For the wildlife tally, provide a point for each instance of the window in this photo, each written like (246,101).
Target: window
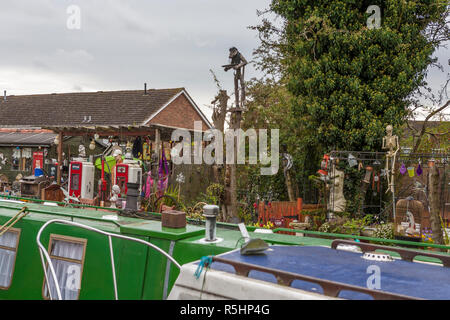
(21,159)
(67,256)
(9,242)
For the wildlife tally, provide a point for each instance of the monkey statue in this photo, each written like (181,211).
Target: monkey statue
(238,63)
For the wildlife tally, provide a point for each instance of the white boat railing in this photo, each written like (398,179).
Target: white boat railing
(43,253)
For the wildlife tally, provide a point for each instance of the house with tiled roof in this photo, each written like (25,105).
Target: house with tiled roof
(24,118)
(170,107)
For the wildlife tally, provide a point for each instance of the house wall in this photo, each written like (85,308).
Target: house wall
(180,113)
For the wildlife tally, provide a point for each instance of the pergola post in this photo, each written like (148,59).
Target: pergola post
(60,159)
(157,142)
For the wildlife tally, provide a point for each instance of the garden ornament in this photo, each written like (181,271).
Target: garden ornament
(81,151)
(180,178)
(368,174)
(337,202)
(352,160)
(238,63)
(419,170)
(403,169)
(390,142)
(324,165)
(287,161)
(115,191)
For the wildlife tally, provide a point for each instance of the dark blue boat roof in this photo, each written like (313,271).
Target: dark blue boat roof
(413,279)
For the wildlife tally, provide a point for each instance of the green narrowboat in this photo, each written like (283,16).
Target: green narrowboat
(92,257)
(141,272)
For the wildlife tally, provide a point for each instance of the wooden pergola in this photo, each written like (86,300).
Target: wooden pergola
(156,132)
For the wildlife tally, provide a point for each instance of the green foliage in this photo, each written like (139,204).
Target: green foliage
(214,194)
(318,218)
(436,137)
(269,107)
(245,215)
(344,225)
(174,192)
(446,239)
(330,82)
(355,226)
(350,81)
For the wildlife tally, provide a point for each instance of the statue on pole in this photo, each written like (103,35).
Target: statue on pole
(238,63)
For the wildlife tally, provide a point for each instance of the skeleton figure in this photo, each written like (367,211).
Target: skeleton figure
(238,63)
(390,142)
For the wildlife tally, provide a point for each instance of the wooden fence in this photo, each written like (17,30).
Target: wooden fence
(282,213)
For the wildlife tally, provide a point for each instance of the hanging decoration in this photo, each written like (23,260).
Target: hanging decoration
(146,150)
(419,170)
(375,183)
(148,185)
(324,165)
(403,169)
(411,171)
(352,160)
(92,145)
(137,147)
(163,176)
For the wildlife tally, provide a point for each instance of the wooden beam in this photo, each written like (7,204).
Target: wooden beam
(110,133)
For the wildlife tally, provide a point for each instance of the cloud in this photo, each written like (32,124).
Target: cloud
(122,44)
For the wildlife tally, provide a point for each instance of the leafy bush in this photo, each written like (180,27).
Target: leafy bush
(384,231)
(214,194)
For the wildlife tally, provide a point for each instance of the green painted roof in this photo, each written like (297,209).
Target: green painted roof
(96,218)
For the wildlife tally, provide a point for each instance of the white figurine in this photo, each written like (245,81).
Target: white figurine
(81,151)
(336,201)
(115,191)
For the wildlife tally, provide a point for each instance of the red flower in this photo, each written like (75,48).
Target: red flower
(254,205)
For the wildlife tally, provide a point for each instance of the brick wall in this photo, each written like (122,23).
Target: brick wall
(180,113)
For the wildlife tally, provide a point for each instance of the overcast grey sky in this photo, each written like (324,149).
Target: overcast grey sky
(122,44)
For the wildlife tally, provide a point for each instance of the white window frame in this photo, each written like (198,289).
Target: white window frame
(58,237)
(18,231)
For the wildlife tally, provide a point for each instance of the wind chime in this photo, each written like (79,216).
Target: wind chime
(376,177)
